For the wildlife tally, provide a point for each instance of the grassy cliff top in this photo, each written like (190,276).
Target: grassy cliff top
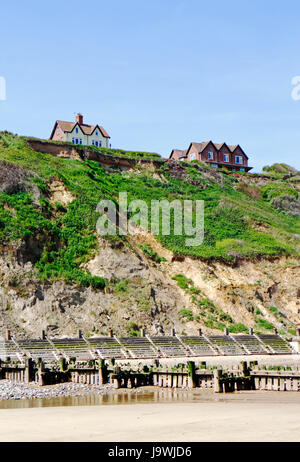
(107,151)
(242,219)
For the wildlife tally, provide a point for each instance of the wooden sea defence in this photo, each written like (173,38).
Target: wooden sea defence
(186,375)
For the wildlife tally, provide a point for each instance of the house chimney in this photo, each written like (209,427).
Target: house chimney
(79,118)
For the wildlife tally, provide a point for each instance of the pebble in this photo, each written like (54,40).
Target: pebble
(17,390)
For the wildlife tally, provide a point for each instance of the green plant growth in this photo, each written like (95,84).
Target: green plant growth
(147,249)
(185,314)
(65,237)
(133,329)
(265,324)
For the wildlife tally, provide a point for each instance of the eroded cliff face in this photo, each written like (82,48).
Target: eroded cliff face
(142,293)
(48,197)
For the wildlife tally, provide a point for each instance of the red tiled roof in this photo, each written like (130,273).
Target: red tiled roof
(179,152)
(86,129)
(201,146)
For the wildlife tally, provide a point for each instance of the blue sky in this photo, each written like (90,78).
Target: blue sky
(157,74)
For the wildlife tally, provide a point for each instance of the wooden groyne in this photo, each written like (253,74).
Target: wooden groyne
(187,375)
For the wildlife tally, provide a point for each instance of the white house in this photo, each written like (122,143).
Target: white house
(79,133)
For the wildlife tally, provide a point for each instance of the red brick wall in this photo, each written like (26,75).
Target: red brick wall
(61,136)
(239,152)
(204,154)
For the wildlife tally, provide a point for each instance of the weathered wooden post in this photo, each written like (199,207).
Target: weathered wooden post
(173,332)
(250,331)
(199,332)
(143,332)
(110,333)
(41,373)
(7,335)
(245,369)
(226,331)
(191,374)
(218,386)
(116,382)
(102,372)
(28,370)
(63,364)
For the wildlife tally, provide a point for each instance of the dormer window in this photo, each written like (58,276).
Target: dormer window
(238,159)
(226,158)
(76,130)
(193,156)
(210,155)
(96,133)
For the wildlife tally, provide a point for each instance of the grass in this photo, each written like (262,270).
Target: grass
(262,323)
(109,151)
(66,236)
(185,314)
(147,249)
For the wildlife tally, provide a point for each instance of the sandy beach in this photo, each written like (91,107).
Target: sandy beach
(245,416)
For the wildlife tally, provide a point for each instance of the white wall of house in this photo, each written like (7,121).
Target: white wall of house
(88,140)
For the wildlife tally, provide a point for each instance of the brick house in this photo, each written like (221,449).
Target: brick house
(217,155)
(79,133)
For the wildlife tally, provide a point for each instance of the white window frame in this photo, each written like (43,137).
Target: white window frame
(193,156)
(239,160)
(226,156)
(210,155)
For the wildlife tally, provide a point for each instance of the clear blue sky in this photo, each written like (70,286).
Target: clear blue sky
(157,74)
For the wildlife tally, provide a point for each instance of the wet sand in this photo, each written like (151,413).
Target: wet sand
(243,416)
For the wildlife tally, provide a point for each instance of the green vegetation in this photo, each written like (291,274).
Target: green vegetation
(272,190)
(238,328)
(279,169)
(133,329)
(62,238)
(182,281)
(108,151)
(121,286)
(185,314)
(147,249)
(262,323)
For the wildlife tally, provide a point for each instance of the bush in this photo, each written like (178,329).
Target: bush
(252,191)
(133,329)
(272,190)
(288,204)
(147,249)
(238,328)
(187,314)
(121,286)
(182,281)
(265,324)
